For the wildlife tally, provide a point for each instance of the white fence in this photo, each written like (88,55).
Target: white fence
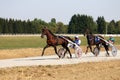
(22,35)
(13,35)
(114,35)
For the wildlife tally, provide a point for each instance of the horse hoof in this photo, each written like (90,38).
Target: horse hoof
(107,55)
(85,53)
(70,57)
(96,55)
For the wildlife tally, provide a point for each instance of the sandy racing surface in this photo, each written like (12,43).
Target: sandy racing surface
(54,60)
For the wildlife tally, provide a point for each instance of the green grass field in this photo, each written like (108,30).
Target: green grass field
(13,42)
(9,42)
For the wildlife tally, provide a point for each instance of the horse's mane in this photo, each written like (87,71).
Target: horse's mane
(60,36)
(51,33)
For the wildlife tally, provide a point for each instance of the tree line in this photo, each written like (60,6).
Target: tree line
(11,26)
(78,23)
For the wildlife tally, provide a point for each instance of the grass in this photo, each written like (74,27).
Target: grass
(16,42)
(21,42)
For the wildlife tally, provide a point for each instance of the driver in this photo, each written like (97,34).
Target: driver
(77,40)
(111,40)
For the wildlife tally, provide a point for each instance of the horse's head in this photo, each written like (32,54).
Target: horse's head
(86,32)
(44,32)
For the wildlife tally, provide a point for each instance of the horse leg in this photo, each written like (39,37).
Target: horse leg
(98,50)
(87,50)
(64,54)
(67,49)
(91,49)
(56,51)
(44,49)
(106,48)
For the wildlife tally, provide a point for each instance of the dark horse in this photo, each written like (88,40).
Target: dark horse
(53,40)
(91,42)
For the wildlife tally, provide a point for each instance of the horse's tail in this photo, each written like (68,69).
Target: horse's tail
(67,38)
(105,42)
(101,36)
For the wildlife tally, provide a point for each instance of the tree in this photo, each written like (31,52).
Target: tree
(5,26)
(117,27)
(1,25)
(111,27)
(53,20)
(61,28)
(79,23)
(52,26)
(101,25)
(10,26)
(72,24)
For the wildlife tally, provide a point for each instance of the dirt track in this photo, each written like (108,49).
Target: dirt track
(105,69)
(54,60)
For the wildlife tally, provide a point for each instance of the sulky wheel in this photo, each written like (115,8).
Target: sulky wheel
(78,52)
(61,52)
(96,51)
(114,51)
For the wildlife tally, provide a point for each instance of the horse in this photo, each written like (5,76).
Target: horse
(53,40)
(91,41)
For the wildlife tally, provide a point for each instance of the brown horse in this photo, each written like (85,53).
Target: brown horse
(53,40)
(91,40)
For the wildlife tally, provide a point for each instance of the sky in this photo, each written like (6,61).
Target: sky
(61,10)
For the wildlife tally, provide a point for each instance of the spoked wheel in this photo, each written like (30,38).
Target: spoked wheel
(96,51)
(61,52)
(114,51)
(78,52)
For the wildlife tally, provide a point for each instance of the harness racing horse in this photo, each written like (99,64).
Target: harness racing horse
(53,40)
(91,40)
